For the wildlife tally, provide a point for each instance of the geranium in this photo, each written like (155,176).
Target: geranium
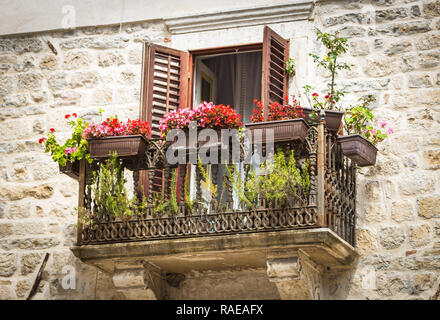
(360,120)
(114,127)
(206,115)
(74,148)
(277,111)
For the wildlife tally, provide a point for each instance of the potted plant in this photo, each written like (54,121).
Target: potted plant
(67,155)
(335,46)
(364,132)
(203,116)
(128,139)
(285,120)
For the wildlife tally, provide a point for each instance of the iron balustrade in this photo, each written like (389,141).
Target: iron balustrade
(330,202)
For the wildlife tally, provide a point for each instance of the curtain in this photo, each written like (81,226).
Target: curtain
(238,84)
(238,80)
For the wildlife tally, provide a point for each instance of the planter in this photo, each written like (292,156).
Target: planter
(71,169)
(283,130)
(359,149)
(333,119)
(126,146)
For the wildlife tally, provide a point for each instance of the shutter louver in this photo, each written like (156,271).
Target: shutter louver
(164,88)
(274,84)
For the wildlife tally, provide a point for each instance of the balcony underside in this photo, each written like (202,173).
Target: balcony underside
(219,252)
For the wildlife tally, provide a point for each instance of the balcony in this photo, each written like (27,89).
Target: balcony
(148,253)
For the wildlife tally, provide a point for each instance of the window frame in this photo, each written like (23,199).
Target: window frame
(193,54)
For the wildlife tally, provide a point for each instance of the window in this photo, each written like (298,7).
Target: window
(228,75)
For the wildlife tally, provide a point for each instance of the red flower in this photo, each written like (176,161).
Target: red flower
(74,114)
(314,94)
(327,96)
(67,116)
(52,130)
(41,140)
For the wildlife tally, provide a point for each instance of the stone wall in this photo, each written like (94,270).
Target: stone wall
(395,49)
(93,68)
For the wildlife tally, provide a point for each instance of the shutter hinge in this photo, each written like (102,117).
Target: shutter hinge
(189,75)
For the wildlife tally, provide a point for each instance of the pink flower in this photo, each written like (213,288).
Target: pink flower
(390,130)
(70,150)
(383,124)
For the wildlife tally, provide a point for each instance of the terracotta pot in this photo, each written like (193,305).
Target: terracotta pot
(333,119)
(359,149)
(126,146)
(71,169)
(284,130)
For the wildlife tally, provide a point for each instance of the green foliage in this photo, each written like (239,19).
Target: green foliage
(282,181)
(215,203)
(290,66)
(111,197)
(243,191)
(108,187)
(172,201)
(190,204)
(335,46)
(360,120)
(74,148)
(162,205)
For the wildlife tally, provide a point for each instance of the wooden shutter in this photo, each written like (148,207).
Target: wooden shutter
(164,88)
(274,83)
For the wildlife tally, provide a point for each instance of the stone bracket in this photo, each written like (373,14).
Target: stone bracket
(144,281)
(296,276)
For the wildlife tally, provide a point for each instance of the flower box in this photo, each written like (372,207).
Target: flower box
(133,146)
(71,169)
(193,146)
(283,130)
(333,119)
(359,149)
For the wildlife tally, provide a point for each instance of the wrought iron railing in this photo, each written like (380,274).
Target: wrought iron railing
(330,201)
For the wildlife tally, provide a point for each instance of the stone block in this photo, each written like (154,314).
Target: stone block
(8,264)
(391,14)
(366,241)
(419,81)
(419,235)
(108,59)
(48,62)
(416,184)
(428,42)
(26,45)
(392,237)
(402,211)
(432,159)
(432,9)
(398,47)
(29,262)
(22,288)
(76,60)
(429,59)
(429,207)
(30,243)
(392,284)
(5,229)
(29,81)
